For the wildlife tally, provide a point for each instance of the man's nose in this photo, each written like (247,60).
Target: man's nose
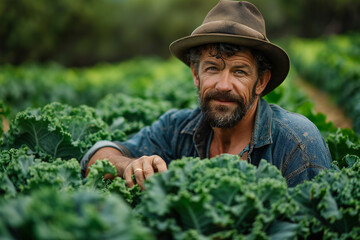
(224,82)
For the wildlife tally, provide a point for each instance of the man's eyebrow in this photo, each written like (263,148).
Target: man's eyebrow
(210,62)
(241,65)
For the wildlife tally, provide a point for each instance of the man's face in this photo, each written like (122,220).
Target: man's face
(226,87)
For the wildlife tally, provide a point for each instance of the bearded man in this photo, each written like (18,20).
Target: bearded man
(233,65)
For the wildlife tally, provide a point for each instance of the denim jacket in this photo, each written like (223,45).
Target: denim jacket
(287,140)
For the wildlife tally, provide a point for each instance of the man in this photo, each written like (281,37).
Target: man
(233,64)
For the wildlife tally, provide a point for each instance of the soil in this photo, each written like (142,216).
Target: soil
(324,104)
(5,124)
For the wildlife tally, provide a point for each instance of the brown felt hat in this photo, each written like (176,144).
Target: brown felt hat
(240,23)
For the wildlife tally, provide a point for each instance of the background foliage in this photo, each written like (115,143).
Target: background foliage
(85,32)
(332,64)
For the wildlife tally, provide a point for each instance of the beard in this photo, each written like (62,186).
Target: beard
(222,116)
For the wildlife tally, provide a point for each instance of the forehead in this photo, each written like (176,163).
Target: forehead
(244,55)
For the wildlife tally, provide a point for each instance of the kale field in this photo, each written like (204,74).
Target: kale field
(56,114)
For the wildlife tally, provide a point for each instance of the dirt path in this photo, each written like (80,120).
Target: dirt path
(324,104)
(5,124)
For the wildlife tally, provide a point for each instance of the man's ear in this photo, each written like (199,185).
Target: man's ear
(262,83)
(195,75)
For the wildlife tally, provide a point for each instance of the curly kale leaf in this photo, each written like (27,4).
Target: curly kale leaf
(57,131)
(61,174)
(22,172)
(343,144)
(129,114)
(130,195)
(48,213)
(95,180)
(222,197)
(329,205)
(15,164)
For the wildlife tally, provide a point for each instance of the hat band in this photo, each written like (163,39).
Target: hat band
(229,27)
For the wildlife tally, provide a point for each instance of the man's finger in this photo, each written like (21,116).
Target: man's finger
(148,169)
(139,176)
(159,164)
(128,172)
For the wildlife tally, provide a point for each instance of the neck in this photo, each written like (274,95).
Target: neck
(234,140)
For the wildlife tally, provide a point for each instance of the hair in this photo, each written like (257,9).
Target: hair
(225,50)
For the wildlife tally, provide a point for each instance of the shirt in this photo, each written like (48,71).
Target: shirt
(287,140)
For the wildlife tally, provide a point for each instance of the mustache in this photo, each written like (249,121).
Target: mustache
(222,96)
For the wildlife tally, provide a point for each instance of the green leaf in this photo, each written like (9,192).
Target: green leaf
(47,213)
(194,211)
(283,230)
(95,178)
(57,131)
(130,195)
(329,204)
(129,114)
(343,143)
(219,197)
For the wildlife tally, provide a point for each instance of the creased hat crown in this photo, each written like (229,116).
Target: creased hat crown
(239,18)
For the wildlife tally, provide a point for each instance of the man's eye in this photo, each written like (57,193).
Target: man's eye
(211,69)
(239,72)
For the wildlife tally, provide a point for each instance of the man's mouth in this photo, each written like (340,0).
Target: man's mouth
(223,101)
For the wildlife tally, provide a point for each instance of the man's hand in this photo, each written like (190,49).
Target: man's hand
(142,167)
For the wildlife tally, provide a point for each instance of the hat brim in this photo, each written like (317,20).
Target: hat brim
(277,56)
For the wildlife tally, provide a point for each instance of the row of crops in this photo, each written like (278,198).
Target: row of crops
(332,64)
(44,197)
(150,78)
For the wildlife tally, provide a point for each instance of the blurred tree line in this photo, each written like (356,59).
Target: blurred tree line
(84,32)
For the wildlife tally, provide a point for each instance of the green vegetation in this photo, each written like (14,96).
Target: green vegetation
(48,213)
(329,205)
(57,131)
(43,195)
(86,32)
(57,113)
(36,85)
(332,64)
(130,114)
(218,198)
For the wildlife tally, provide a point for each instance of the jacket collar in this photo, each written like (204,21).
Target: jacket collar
(262,126)
(191,127)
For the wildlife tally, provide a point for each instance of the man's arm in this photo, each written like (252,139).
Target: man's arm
(140,155)
(142,167)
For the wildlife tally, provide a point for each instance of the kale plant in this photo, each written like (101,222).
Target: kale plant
(344,146)
(95,180)
(330,204)
(219,198)
(21,171)
(129,114)
(58,131)
(48,213)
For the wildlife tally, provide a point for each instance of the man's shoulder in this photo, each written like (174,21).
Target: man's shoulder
(292,123)
(283,115)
